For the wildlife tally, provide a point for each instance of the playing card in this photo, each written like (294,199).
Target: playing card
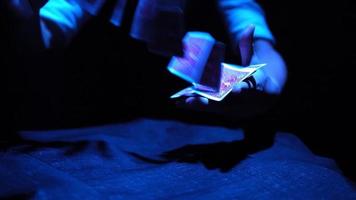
(231,75)
(211,77)
(197,48)
(202,65)
(254,67)
(185,92)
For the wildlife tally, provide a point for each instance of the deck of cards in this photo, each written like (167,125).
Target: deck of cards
(202,65)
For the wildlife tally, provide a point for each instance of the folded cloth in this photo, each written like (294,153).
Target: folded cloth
(100,162)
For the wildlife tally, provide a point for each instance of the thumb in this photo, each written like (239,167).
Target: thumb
(197,101)
(246,45)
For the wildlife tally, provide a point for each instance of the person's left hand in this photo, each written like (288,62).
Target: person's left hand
(268,80)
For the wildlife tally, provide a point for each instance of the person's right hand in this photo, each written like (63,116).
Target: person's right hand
(269,79)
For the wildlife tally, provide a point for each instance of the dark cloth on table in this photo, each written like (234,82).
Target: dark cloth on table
(121,161)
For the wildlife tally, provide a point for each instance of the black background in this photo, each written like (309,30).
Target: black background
(84,85)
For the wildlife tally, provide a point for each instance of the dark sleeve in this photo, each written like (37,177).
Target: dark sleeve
(21,23)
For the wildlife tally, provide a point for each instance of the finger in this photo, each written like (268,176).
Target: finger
(246,45)
(260,78)
(239,87)
(197,101)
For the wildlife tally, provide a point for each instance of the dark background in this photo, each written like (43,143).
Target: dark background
(105,76)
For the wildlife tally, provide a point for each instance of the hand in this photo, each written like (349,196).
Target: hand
(270,80)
